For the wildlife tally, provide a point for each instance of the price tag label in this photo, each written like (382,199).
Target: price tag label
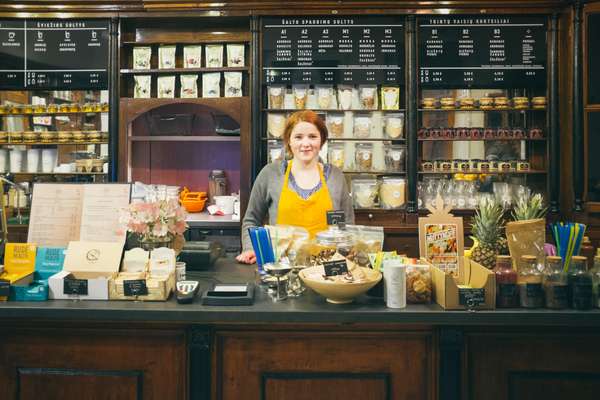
(75,286)
(470,297)
(135,287)
(336,218)
(4,287)
(333,268)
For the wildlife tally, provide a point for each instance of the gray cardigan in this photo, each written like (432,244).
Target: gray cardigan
(266,191)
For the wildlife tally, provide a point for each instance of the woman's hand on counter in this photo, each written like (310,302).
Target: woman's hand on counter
(246,257)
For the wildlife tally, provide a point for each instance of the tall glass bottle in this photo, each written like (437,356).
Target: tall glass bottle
(555,284)
(596,280)
(529,281)
(580,284)
(507,294)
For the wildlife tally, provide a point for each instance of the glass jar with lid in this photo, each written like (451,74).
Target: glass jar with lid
(595,271)
(331,241)
(529,280)
(555,284)
(580,284)
(364,192)
(507,294)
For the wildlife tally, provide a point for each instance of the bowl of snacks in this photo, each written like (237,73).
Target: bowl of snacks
(342,288)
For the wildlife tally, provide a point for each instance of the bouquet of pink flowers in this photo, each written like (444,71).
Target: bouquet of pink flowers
(160,221)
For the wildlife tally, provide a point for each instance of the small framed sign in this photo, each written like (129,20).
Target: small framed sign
(75,286)
(135,287)
(333,268)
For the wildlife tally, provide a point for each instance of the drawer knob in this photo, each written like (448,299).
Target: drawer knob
(370,217)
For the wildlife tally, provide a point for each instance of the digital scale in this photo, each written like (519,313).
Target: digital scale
(229,294)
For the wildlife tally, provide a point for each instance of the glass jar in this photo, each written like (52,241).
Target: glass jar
(394,157)
(507,294)
(555,284)
(364,157)
(362,126)
(595,272)
(391,192)
(364,192)
(394,126)
(334,240)
(531,293)
(336,154)
(580,284)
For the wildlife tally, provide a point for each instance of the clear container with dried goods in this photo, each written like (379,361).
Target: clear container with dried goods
(235,55)
(325,96)
(394,126)
(345,94)
(335,125)
(362,126)
(141,57)
(555,284)
(368,97)
(390,97)
(276,96)
(331,241)
(364,192)
(394,157)
(276,125)
(418,283)
(300,96)
(363,157)
(392,192)
(529,281)
(336,154)
(213,55)
(192,56)
(507,293)
(579,280)
(166,57)
(595,272)
(276,151)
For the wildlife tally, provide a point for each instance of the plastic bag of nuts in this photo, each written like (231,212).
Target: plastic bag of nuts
(418,283)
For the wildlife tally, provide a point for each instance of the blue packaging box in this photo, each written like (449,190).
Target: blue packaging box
(48,261)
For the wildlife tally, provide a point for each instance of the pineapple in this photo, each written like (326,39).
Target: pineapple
(529,207)
(488,233)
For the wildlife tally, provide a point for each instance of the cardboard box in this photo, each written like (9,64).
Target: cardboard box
(19,265)
(159,288)
(88,268)
(49,261)
(477,285)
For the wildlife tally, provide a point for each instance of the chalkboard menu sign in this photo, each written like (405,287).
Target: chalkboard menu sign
(593,53)
(54,54)
(328,50)
(482,51)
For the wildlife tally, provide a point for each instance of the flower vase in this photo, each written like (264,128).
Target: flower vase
(150,245)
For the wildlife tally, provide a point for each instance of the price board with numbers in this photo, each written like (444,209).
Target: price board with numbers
(482,52)
(54,54)
(333,50)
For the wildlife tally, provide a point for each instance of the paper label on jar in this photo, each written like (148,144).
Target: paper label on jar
(366,156)
(275,91)
(396,194)
(396,156)
(461,202)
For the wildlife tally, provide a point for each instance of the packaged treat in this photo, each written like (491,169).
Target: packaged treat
(166,57)
(142,86)
(394,157)
(362,126)
(141,57)
(418,284)
(192,56)
(235,55)
(364,192)
(345,97)
(276,125)
(364,157)
(520,103)
(447,103)
(276,151)
(486,103)
(368,96)
(428,102)
(276,94)
(189,86)
(233,84)
(166,87)
(335,125)
(214,55)
(300,95)
(324,97)
(392,192)
(336,154)
(466,103)
(390,98)
(211,84)
(394,126)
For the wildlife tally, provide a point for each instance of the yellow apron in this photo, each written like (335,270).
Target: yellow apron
(311,213)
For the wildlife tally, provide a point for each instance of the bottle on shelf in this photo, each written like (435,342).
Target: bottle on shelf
(531,294)
(580,284)
(507,294)
(595,272)
(555,284)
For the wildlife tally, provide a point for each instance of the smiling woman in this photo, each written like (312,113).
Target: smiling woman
(300,191)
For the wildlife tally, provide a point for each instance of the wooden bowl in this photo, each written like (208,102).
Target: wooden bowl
(338,292)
